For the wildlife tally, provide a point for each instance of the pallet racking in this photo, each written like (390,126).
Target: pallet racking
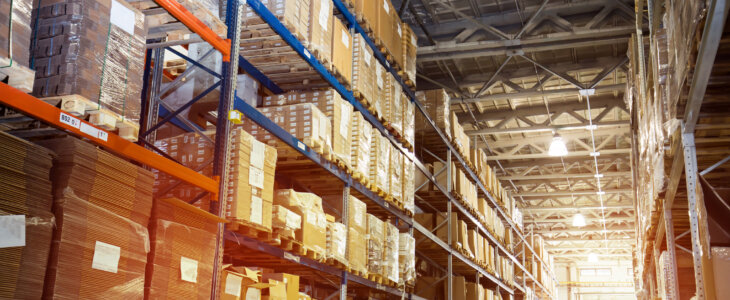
(153,109)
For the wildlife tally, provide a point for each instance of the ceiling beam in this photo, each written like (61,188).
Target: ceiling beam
(579,240)
(570,220)
(545,155)
(563,176)
(584,230)
(597,102)
(559,92)
(575,193)
(572,208)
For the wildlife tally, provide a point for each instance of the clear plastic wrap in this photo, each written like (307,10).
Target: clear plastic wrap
(407,259)
(437,105)
(457,134)
(320,29)
(380,161)
(409,121)
(342,51)
(721,268)
(395,174)
(181,262)
(362,133)
(390,252)
(94,49)
(337,110)
(313,234)
(95,253)
(336,241)
(357,250)
(409,188)
(375,237)
(285,220)
(23,268)
(304,121)
(410,49)
(380,91)
(363,70)
(102,178)
(293,13)
(357,214)
(15,45)
(393,102)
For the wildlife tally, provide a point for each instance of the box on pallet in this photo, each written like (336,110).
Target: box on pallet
(109,38)
(15,38)
(387,31)
(367,13)
(285,222)
(336,241)
(410,49)
(437,105)
(342,51)
(409,121)
(409,188)
(458,288)
(393,103)
(362,133)
(320,30)
(407,259)
(294,14)
(380,161)
(390,269)
(363,71)
(357,250)
(313,234)
(337,110)
(395,174)
(304,121)
(458,136)
(376,237)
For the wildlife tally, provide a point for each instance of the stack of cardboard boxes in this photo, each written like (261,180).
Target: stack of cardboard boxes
(342,51)
(362,136)
(336,241)
(304,121)
(376,238)
(238,283)
(313,234)
(15,41)
(391,248)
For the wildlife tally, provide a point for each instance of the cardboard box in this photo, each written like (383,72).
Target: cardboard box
(285,221)
(391,249)
(295,14)
(363,70)
(427,287)
(290,281)
(409,43)
(320,30)
(313,234)
(395,174)
(362,133)
(380,161)
(407,259)
(458,231)
(380,90)
(458,288)
(357,250)
(721,268)
(458,135)
(342,51)
(474,291)
(409,188)
(409,120)
(336,242)
(338,111)
(437,104)
(304,121)
(376,238)
(366,10)
(393,102)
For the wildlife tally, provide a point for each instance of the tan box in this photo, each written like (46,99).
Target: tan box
(304,121)
(363,70)
(342,51)
(409,121)
(285,221)
(395,174)
(320,30)
(409,43)
(393,102)
(458,231)
(313,234)
(338,111)
(437,105)
(428,287)
(380,90)
(409,188)
(336,240)
(458,135)
(367,12)
(360,143)
(357,250)
(474,291)
(458,288)
(390,269)
(407,259)
(294,14)
(380,161)
(473,243)
(290,281)
(388,30)
(376,237)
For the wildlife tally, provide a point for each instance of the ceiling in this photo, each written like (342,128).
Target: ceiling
(520,70)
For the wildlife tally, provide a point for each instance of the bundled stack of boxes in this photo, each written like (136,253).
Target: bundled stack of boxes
(313,234)
(15,40)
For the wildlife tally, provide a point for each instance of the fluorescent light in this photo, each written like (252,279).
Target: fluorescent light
(595,153)
(586,92)
(598,175)
(557,147)
(579,220)
(592,257)
(600,193)
(592,127)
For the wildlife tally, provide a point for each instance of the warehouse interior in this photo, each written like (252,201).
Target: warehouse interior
(364,149)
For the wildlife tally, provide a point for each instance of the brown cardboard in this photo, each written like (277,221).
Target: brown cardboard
(290,281)
(363,70)
(342,50)
(304,121)
(376,238)
(362,132)
(313,234)
(367,11)
(380,161)
(427,287)
(320,29)
(437,104)
(357,250)
(474,291)
(458,288)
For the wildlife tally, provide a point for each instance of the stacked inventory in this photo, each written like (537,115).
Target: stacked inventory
(183,243)
(313,234)
(390,269)
(336,241)
(362,136)
(103,205)
(304,121)
(26,220)
(15,38)
(342,52)
(363,72)
(375,242)
(107,38)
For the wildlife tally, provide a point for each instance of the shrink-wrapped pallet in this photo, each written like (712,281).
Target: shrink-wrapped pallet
(336,241)
(395,174)
(409,121)
(458,135)
(393,103)
(390,269)
(409,188)
(294,14)
(409,43)
(342,51)
(380,161)
(101,178)
(285,221)
(362,133)
(24,177)
(375,240)
(380,91)
(320,30)
(357,250)
(337,110)
(313,234)
(304,121)
(363,70)
(95,253)
(437,105)
(388,31)
(15,41)
(93,49)
(367,13)
(407,259)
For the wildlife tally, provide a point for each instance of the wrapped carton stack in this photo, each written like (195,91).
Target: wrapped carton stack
(437,105)
(336,241)
(395,175)
(183,242)
(376,238)
(380,162)
(313,234)
(285,222)
(407,259)
(304,121)
(357,232)
(363,71)
(338,111)
(410,49)
(320,30)
(362,135)
(342,52)
(390,269)
(109,36)
(24,203)
(15,40)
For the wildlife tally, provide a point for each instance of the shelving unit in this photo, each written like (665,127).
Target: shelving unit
(156,113)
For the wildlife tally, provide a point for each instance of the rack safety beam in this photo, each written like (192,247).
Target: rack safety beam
(380,57)
(253,244)
(55,117)
(180,13)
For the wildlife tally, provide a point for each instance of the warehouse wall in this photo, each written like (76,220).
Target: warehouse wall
(578,280)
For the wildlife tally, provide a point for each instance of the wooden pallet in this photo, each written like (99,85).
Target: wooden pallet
(161,24)
(17,76)
(312,254)
(176,66)
(250,230)
(337,264)
(377,278)
(360,273)
(90,111)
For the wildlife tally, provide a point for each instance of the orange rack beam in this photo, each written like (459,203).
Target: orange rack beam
(55,117)
(180,13)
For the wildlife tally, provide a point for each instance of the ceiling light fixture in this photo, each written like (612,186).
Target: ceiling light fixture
(594,154)
(600,193)
(592,257)
(598,175)
(557,147)
(579,220)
